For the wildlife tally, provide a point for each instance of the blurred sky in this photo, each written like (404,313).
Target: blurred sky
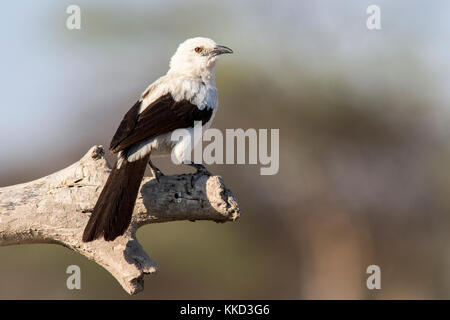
(49,73)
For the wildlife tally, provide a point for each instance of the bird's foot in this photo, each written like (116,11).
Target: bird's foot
(201,169)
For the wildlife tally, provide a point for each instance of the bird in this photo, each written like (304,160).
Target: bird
(186,94)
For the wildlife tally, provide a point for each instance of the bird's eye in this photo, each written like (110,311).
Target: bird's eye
(198,49)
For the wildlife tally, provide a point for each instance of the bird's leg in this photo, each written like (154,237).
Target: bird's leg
(200,168)
(155,171)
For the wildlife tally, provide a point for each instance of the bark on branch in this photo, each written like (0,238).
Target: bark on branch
(56,208)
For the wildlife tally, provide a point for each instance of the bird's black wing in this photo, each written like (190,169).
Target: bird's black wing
(162,116)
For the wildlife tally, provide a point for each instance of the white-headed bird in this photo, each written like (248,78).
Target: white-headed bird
(186,94)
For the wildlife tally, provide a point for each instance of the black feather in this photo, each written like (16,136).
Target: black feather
(114,208)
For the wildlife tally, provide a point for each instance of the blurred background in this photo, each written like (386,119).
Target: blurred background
(363,118)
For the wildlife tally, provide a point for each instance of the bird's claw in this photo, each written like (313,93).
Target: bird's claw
(155,171)
(201,170)
(157,174)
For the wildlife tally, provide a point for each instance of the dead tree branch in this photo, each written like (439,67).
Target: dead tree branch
(56,208)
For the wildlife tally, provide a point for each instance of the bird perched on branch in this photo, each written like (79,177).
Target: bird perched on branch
(187,93)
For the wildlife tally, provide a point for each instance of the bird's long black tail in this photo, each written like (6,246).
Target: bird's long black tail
(114,208)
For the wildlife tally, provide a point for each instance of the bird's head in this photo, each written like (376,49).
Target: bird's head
(196,57)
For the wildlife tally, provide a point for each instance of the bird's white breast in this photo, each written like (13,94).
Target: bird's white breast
(200,93)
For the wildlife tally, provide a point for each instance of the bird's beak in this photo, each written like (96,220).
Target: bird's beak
(218,50)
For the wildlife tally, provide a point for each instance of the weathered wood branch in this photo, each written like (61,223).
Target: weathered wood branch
(56,208)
